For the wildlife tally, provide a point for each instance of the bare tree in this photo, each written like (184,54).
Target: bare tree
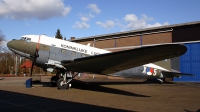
(2,38)
(6,62)
(2,54)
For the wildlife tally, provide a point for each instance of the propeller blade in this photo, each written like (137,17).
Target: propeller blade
(33,63)
(35,56)
(34,60)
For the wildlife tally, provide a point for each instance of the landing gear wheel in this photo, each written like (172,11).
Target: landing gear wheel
(54,80)
(61,84)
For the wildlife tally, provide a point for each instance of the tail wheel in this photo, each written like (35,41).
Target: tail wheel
(61,84)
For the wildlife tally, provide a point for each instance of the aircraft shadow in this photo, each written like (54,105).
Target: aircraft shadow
(12,101)
(97,86)
(120,82)
(191,111)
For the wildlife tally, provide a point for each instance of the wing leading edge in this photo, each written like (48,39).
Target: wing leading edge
(117,61)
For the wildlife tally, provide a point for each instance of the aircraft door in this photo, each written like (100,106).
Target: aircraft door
(52,53)
(52,56)
(43,58)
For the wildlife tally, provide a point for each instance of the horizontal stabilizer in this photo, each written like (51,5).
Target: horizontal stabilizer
(174,74)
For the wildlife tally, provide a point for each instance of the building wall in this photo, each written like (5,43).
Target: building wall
(128,41)
(86,42)
(132,40)
(190,63)
(157,38)
(105,43)
(186,33)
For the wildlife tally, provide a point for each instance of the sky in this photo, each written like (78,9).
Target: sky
(84,18)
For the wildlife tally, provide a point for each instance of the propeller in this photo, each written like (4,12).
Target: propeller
(35,56)
(34,60)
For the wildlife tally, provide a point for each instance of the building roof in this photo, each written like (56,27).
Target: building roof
(166,28)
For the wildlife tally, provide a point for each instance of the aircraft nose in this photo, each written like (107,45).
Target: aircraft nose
(22,47)
(16,45)
(10,44)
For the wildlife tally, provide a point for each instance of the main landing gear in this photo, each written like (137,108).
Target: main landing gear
(63,80)
(159,80)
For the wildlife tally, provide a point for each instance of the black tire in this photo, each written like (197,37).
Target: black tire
(60,86)
(54,79)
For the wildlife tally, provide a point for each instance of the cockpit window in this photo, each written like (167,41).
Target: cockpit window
(28,40)
(22,38)
(25,38)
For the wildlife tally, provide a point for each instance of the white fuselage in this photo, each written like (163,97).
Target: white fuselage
(72,46)
(63,44)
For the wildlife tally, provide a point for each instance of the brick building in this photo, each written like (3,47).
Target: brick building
(186,33)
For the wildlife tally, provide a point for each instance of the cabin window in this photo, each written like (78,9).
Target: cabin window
(63,50)
(73,53)
(83,55)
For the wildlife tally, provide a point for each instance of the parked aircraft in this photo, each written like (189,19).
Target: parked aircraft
(71,58)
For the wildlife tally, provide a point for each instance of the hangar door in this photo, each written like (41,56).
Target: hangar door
(190,63)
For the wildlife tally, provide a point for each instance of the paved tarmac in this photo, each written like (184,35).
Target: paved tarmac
(99,95)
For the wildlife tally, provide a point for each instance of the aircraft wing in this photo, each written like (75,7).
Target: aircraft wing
(117,61)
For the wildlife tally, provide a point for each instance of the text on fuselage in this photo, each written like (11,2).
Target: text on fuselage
(78,49)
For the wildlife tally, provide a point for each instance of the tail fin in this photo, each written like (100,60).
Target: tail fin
(175,64)
(173,67)
(166,64)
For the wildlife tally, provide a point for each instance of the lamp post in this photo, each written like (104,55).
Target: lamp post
(11,71)
(16,65)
